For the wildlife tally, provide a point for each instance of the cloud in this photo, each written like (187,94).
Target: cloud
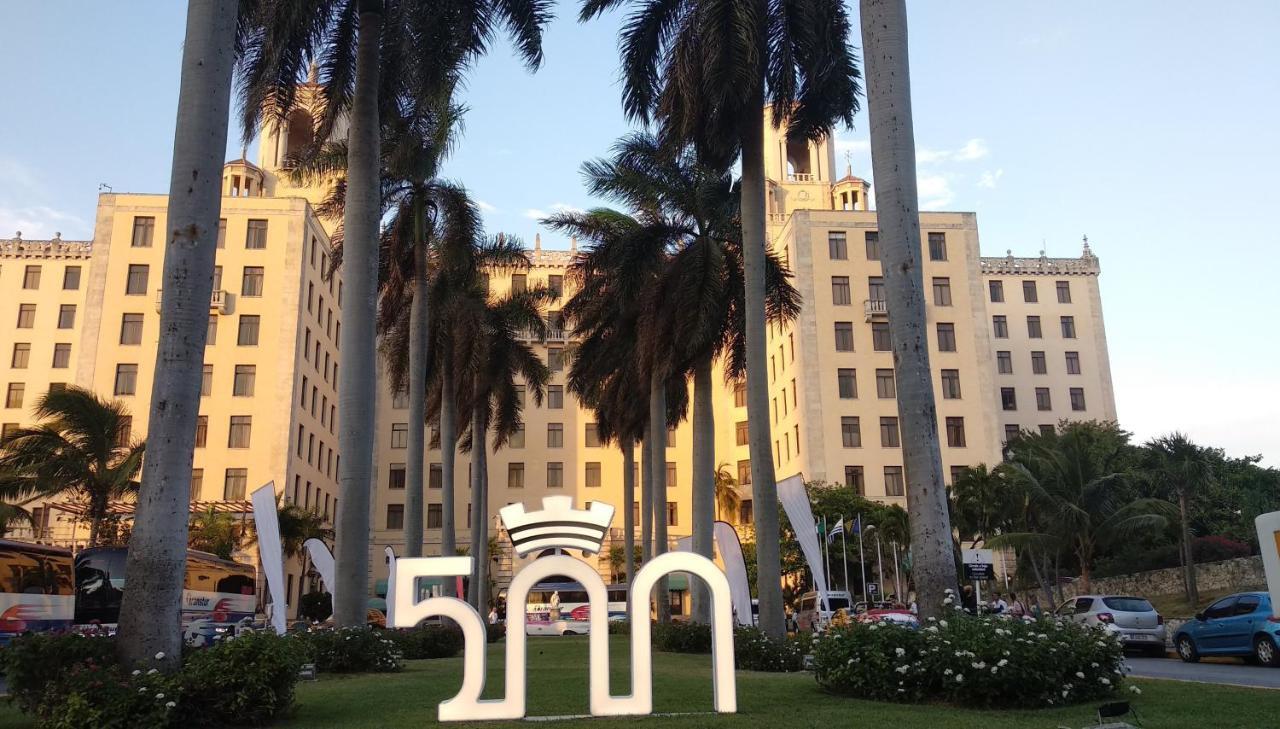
(857,146)
(40,222)
(971,150)
(538,214)
(934,191)
(990,178)
(485,207)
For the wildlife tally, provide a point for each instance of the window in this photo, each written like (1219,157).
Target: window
(31,277)
(242,386)
(211,332)
(555,359)
(516,439)
(202,430)
(941,291)
(61,356)
(937,246)
(1073,363)
(555,475)
(889,432)
(955,433)
(741,432)
(251,285)
(844,336)
(136,283)
(875,288)
(739,394)
(1029,293)
(435,516)
(1046,429)
(520,395)
(256,235)
(851,431)
(591,435)
(238,436)
(396,477)
(555,435)
(996,288)
(1064,292)
(840,291)
(235,483)
(1004,362)
(400,399)
(144,229)
(26,316)
(71,278)
(1043,401)
(853,479)
(399,435)
(206,381)
(21,355)
(556,284)
(951,384)
(222,233)
(592,476)
(1068,327)
(846,377)
(519,282)
(884,384)
(248,334)
(126,379)
(957,473)
(1000,324)
(893,485)
(1038,366)
(673,514)
(1077,398)
(67,316)
(1011,433)
(744,473)
(435,478)
(13,399)
(1008,398)
(946,337)
(395,516)
(881,339)
(197,484)
(671,475)
(555,397)
(515,475)
(1033,327)
(837,245)
(872,239)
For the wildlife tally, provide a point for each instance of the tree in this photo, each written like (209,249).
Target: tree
(1186,469)
(727,498)
(82,449)
(983,503)
(13,515)
(704,70)
(219,533)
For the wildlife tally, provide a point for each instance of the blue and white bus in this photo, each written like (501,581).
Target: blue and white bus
(36,589)
(561,608)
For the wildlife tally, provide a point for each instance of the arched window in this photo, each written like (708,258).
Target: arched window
(301,132)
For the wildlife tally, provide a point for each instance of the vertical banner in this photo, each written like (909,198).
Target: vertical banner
(322,560)
(795,500)
(270,551)
(391,586)
(684,544)
(735,568)
(1268,526)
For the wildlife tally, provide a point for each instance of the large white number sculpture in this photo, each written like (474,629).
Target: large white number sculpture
(1268,526)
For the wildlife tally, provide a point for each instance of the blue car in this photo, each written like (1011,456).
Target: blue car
(1237,625)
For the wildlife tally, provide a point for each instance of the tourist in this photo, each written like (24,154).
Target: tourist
(969,601)
(1016,608)
(998,605)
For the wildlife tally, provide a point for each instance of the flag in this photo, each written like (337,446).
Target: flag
(856,526)
(836,530)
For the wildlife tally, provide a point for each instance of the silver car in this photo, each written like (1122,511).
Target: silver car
(1133,619)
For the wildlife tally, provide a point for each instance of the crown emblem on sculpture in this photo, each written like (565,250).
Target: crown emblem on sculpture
(558,524)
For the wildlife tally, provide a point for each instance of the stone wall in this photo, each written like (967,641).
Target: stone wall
(1228,575)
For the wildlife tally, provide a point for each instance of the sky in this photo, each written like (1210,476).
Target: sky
(1148,125)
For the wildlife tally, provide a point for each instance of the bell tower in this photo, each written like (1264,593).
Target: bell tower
(799,173)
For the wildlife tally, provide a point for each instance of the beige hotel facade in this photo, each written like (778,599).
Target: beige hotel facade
(1016,343)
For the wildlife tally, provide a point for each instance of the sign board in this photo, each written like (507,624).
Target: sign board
(979,564)
(873,588)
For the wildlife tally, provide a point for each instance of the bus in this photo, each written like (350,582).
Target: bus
(36,589)
(574,610)
(218,595)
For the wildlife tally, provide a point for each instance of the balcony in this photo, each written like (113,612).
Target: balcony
(800,177)
(777,218)
(553,335)
(876,309)
(217,302)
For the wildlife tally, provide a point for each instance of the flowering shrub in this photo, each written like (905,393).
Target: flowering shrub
(111,698)
(352,650)
(33,662)
(244,681)
(973,661)
(427,641)
(682,637)
(753,650)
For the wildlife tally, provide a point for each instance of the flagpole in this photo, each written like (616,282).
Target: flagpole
(879,564)
(862,560)
(897,576)
(826,559)
(844,557)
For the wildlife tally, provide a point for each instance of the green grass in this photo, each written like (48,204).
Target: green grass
(558,687)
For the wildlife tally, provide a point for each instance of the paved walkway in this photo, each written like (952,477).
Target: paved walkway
(1229,672)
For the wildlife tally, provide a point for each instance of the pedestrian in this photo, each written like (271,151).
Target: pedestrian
(1034,602)
(493,615)
(969,601)
(998,605)
(1016,608)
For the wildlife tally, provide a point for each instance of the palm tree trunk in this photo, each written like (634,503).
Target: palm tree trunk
(658,453)
(646,496)
(477,592)
(418,354)
(893,156)
(704,483)
(628,511)
(764,487)
(1188,559)
(356,426)
(448,456)
(150,613)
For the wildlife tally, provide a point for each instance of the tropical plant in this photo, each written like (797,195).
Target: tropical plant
(81,448)
(13,515)
(704,71)
(219,533)
(984,502)
(727,498)
(1185,469)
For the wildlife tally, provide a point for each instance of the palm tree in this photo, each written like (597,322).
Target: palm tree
(1186,468)
(82,448)
(157,549)
(297,525)
(982,502)
(13,515)
(218,533)
(727,499)
(704,71)
(884,36)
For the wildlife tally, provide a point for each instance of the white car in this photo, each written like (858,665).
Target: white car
(1132,619)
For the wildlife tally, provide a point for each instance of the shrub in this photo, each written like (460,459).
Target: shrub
(428,641)
(34,662)
(753,650)
(352,650)
(973,661)
(316,606)
(111,698)
(682,637)
(494,633)
(1216,549)
(619,627)
(247,680)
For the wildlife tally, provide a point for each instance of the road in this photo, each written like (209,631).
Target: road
(1226,673)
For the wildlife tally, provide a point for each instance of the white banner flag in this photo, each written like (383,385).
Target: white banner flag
(322,560)
(795,500)
(735,568)
(391,585)
(271,551)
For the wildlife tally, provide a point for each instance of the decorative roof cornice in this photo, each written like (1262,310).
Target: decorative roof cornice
(56,247)
(1085,265)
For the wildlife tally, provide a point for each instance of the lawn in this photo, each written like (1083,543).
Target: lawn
(558,687)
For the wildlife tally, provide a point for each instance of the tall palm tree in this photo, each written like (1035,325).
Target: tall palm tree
(82,448)
(13,515)
(157,549)
(983,503)
(727,499)
(1186,468)
(704,70)
(893,157)
(374,54)
(219,533)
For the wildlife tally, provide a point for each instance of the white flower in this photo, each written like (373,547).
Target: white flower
(994,669)
(152,671)
(943,623)
(959,678)
(902,669)
(142,690)
(947,601)
(1104,681)
(159,696)
(1135,689)
(1003,662)
(137,672)
(979,665)
(1094,664)
(931,629)
(1079,674)
(1064,693)
(900,651)
(169,705)
(948,672)
(160,656)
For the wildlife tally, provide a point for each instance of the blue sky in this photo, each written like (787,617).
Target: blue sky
(1150,126)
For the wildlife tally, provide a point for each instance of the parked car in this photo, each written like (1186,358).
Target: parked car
(812,615)
(894,615)
(1133,619)
(1237,625)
